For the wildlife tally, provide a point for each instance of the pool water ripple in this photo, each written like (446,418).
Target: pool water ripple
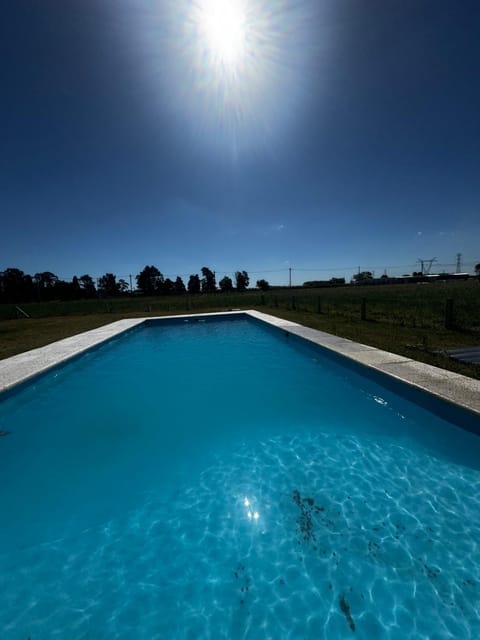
(319,536)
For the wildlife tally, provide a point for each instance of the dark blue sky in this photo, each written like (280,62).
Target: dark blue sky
(350,136)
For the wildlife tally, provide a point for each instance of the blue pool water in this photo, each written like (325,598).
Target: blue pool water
(222,480)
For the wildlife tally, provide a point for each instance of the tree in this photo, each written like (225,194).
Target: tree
(179,287)
(150,281)
(168,287)
(193,284)
(108,285)
(75,286)
(477,270)
(208,281)
(15,286)
(242,280)
(28,289)
(226,284)
(364,277)
(123,286)
(62,290)
(87,286)
(45,283)
(263,285)
(45,280)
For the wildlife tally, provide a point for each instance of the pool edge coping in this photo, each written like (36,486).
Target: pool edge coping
(454,388)
(451,387)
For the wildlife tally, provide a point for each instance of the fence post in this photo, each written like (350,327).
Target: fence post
(449,314)
(363,309)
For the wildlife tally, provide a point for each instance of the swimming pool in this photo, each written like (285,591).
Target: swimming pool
(222,479)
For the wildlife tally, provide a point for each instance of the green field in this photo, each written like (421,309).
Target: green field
(409,319)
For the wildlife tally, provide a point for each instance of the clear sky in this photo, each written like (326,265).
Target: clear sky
(317,134)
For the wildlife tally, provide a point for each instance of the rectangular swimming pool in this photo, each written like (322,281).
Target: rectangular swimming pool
(218,478)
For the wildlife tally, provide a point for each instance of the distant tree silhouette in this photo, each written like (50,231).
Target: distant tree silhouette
(87,286)
(108,285)
(168,287)
(72,289)
(123,286)
(208,281)
(364,277)
(263,285)
(28,288)
(477,270)
(62,290)
(242,280)
(150,281)
(193,285)
(226,284)
(76,291)
(179,287)
(45,280)
(45,283)
(16,286)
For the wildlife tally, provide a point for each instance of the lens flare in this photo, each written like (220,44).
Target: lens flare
(234,73)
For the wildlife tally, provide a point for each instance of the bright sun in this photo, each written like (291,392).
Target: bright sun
(234,70)
(222,24)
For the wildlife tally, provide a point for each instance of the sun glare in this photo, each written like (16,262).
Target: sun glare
(234,71)
(222,24)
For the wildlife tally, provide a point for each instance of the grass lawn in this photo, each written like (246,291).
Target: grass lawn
(405,319)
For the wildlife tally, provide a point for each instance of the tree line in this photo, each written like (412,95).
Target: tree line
(17,286)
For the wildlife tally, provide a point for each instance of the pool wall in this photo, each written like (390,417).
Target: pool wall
(451,395)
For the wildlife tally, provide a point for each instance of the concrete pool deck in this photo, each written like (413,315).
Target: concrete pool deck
(451,387)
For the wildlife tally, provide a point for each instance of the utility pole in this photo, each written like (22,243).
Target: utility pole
(289,277)
(131,289)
